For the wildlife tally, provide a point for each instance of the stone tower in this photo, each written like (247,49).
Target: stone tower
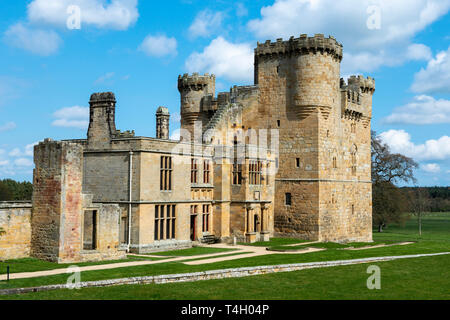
(162,123)
(323,188)
(194,90)
(101,120)
(57,201)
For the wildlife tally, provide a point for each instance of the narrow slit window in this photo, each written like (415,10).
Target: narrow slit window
(288,199)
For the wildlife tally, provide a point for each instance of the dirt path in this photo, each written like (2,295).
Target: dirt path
(379,246)
(34,274)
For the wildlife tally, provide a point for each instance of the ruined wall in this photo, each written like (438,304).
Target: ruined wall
(57,201)
(107,242)
(15,219)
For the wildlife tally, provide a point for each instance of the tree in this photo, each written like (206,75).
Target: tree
(419,203)
(5,192)
(2,231)
(11,190)
(388,202)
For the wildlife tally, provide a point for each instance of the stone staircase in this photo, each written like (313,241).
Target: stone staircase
(209,239)
(217,117)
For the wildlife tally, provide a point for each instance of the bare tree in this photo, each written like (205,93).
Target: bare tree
(388,202)
(419,203)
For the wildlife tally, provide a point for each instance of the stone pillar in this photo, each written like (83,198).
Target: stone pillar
(250,235)
(162,123)
(264,234)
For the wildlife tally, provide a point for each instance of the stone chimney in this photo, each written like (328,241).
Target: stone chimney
(102,125)
(162,123)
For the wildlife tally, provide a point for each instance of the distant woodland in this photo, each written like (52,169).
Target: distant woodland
(437,199)
(11,190)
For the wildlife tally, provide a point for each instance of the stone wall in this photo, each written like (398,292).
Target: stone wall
(15,219)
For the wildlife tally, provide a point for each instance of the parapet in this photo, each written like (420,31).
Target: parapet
(195,81)
(303,44)
(125,134)
(359,82)
(102,97)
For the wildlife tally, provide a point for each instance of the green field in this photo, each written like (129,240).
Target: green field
(430,274)
(420,278)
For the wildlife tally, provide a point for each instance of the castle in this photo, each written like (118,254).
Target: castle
(289,156)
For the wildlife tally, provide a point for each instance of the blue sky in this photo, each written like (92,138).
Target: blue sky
(137,49)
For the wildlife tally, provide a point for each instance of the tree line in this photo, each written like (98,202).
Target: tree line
(11,190)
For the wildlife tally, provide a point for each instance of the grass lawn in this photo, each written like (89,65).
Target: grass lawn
(419,278)
(32,264)
(435,238)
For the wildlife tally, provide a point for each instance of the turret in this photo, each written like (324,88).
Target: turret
(162,123)
(193,89)
(311,67)
(356,97)
(102,125)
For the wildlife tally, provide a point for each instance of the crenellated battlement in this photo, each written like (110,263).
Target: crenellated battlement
(359,82)
(303,44)
(124,134)
(196,81)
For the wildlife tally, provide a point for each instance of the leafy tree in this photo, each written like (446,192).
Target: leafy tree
(388,202)
(2,231)
(5,192)
(11,190)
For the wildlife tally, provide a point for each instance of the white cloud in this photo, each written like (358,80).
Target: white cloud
(114,14)
(347,21)
(29,149)
(400,142)
(422,110)
(175,117)
(224,59)
(15,153)
(37,41)
(8,126)
(175,135)
(431,167)
(418,52)
(27,152)
(206,23)
(435,78)
(23,162)
(159,46)
(241,10)
(72,117)
(104,77)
